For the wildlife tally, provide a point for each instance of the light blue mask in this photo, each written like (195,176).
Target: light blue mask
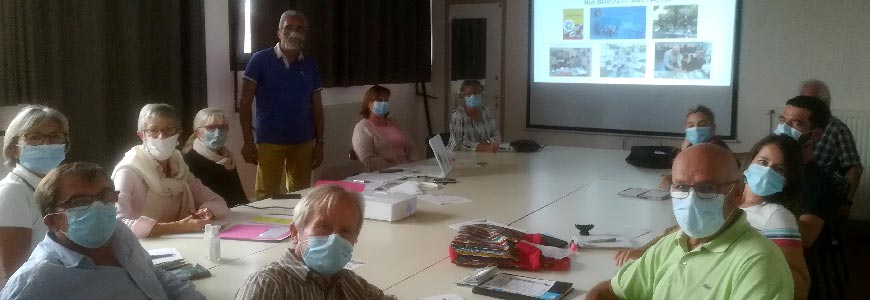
(91,226)
(327,255)
(381,108)
(699,218)
(699,135)
(42,158)
(763,181)
(215,139)
(783,128)
(473,101)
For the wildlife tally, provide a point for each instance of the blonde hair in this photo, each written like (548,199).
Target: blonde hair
(322,198)
(204,116)
(26,121)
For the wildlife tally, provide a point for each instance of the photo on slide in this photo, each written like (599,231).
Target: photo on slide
(572,24)
(618,23)
(675,21)
(623,60)
(683,60)
(569,62)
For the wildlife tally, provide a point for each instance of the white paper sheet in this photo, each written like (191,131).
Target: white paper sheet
(550,251)
(443,199)
(407,187)
(353,264)
(172,252)
(444,297)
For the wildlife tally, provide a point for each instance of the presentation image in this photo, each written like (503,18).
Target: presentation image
(572,24)
(675,21)
(683,60)
(619,22)
(569,62)
(623,60)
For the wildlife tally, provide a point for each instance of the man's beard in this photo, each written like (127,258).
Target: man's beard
(293,42)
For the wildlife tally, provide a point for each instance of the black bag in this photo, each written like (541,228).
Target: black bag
(652,157)
(526,146)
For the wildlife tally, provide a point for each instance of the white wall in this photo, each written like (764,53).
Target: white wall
(341,105)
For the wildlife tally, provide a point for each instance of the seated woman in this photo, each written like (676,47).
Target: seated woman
(36,142)
(701,128)
(377,141)
(770,200)
(157,192)
(472,126)
(209,160)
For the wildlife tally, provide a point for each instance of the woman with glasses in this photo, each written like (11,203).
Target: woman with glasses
(157,193)
(36,142)
(771,199)
(209,160)
(377,140)
(472,127)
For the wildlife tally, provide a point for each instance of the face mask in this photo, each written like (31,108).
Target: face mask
(42,158)
(763,181)
(699,135)
(327,255)
(783,128)
(215,139)
(473,101)
(381,108)
(91,226)
(699,218)
(161,149)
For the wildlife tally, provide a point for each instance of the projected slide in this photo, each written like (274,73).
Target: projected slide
(641,42)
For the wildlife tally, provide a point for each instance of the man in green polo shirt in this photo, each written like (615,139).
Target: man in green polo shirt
(715,254)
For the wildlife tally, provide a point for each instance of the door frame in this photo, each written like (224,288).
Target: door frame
(447,42)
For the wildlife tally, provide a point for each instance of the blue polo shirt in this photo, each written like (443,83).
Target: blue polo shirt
(283,97)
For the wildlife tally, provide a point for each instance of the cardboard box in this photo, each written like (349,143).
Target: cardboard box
(389,207)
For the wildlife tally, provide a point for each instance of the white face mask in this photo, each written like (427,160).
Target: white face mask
(161,149)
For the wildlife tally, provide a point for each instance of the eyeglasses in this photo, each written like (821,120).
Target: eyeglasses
(84,201)
(34,139)
(703,190)
(165,132)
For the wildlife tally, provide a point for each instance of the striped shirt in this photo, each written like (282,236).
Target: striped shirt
(289,278)
(466,133)
(775,223)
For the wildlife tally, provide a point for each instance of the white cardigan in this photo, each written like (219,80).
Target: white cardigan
(373,150)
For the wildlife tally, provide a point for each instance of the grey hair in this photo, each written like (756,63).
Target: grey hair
(824,93)
(203,116)
(320,199)
(292,13)
(25,122)
(150,111)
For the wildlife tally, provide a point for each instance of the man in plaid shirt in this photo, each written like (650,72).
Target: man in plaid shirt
(836,151)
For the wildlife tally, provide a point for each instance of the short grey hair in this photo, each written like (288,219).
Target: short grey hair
(320,199)
(26,121)
(824,92)
(203,116)
(292,13)
(153,110)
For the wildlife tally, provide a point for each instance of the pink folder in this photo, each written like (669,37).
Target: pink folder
(253,232)
(356,187)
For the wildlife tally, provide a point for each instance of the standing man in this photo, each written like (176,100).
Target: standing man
(289,120)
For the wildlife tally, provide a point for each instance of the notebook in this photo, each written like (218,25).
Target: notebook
(516,287)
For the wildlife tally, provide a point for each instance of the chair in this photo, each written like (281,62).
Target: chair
(445,136)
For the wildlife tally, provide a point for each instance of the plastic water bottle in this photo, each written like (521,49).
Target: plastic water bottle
(214,242)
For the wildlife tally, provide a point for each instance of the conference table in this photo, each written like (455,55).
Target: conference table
(543,192)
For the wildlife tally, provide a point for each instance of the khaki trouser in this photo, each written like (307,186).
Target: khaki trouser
(292,161)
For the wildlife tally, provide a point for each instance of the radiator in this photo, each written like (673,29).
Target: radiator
(859,124)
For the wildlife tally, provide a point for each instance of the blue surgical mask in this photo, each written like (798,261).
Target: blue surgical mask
(473,101)
(42,158)
(783,128)
(214,139)
(699,135)
(91,226)
(327,255)
(763,181)
(381,108)
(697,217)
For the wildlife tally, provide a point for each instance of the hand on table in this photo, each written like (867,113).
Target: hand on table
(624,255)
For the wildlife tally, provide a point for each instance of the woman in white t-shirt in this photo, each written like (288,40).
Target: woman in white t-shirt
(36,142)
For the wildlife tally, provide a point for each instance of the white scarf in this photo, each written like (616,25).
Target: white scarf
(160,188)
(225,160)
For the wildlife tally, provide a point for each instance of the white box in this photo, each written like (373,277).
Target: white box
(389,207)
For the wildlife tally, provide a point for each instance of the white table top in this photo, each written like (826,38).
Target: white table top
(545,192)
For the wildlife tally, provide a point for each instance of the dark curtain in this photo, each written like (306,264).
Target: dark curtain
(354,42)
(468,49)
(99,62)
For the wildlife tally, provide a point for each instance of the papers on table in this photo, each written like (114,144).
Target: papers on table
(443,199)
(550,251)
(164,255)
(444,297)
(407,187)
(478,276)
(353,264)
(519,285)
(621,237)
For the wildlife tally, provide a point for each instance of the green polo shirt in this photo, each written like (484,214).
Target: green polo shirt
(740,263)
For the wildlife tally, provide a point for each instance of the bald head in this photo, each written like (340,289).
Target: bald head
(705,163)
